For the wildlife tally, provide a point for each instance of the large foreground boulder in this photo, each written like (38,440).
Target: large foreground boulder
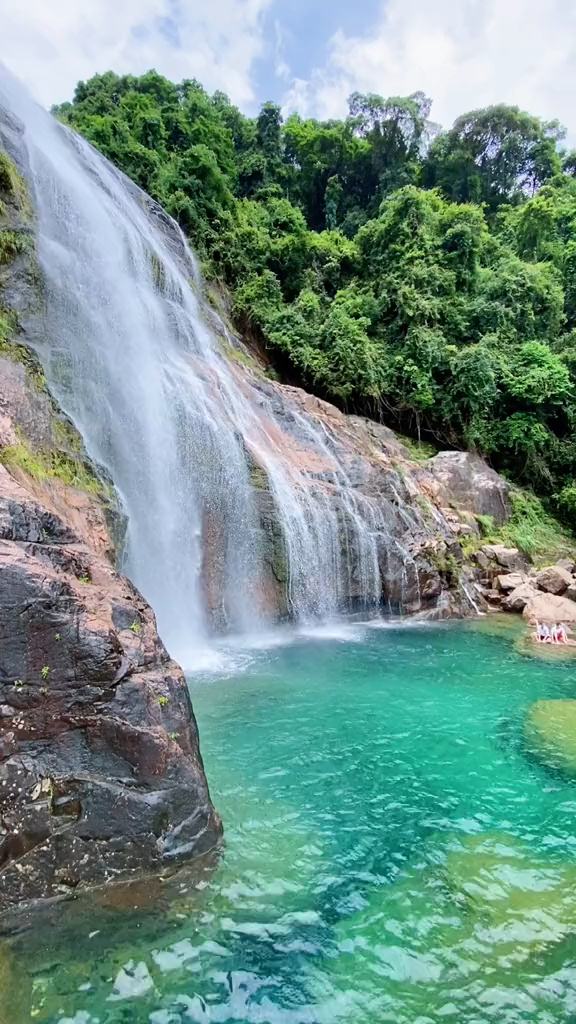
(550,608)
(100,769)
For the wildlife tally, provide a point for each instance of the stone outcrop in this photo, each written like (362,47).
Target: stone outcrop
(466,482)
(518,598)
(508,558)
(363,465)
(509,581)
(554,579)
(100,771)
(542,607)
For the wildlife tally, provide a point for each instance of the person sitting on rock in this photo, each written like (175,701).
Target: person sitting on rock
(543,633)
(553,632)
(561,634)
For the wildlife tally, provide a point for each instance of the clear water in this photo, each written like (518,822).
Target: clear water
(392,853)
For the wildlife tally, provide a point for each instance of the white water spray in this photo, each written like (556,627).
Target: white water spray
(131,354)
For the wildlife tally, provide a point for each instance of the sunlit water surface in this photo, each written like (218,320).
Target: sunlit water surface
(392,852)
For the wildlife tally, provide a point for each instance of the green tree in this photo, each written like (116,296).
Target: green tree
(495,155)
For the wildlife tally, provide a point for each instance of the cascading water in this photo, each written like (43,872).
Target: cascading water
(132,355)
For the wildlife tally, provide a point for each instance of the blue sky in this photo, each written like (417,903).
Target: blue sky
(298,33)
(308,54)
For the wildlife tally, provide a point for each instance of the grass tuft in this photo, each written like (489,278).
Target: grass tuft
(51,466)
(530,528)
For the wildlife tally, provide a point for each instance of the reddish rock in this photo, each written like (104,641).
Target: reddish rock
(466,481)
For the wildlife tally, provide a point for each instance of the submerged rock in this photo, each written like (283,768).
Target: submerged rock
(550,733)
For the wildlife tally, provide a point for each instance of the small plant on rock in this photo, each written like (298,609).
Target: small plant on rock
(136,627)
(163,701)
(45,671)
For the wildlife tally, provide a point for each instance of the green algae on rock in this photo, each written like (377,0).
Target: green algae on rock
(550,733)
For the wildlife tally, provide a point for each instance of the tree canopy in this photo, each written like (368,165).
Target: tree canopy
(421,276)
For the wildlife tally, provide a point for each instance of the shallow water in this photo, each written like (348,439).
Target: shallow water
(393,854)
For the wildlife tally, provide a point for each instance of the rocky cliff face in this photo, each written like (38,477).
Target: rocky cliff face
(100,770)
(420,511)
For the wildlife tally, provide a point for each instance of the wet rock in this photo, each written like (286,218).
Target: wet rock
(554,579)
(100,771)
(517,600)
(550,733)
(550,608)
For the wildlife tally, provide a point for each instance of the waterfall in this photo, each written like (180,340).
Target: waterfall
(134,356)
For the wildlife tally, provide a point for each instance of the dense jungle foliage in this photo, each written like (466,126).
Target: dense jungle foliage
(424,277)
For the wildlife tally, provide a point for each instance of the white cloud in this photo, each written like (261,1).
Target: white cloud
(462,53)
(51,45)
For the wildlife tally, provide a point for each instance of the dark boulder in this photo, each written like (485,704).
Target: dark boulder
(100,771)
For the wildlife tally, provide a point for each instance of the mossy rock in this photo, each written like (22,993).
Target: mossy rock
(13,189)
(15,989)
(500,878)
(550,734)
(56,465)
